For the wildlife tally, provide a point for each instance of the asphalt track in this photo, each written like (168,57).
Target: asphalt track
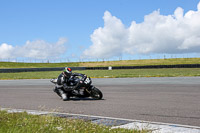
(168,100)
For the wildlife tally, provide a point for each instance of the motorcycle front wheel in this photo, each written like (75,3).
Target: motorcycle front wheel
(96,93)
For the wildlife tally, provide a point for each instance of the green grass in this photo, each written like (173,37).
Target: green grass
(104,63)
(142,62)
(26,123)
(175,72)
(30,75)
(35,65)
(167,72)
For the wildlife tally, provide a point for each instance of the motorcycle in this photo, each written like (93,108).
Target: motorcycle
(83,88)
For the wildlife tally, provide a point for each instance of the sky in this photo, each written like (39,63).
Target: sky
(84,30)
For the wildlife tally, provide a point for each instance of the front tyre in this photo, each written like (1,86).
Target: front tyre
(96,93)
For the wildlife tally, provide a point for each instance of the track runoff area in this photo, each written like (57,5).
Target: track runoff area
(155,127)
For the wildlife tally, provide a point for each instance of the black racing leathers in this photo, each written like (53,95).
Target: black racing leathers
(66,84)
(63,82)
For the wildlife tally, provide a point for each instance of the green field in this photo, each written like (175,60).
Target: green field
(143,62)
(105,63)
(35,65)
(165,72)
(26,123)
(170,72)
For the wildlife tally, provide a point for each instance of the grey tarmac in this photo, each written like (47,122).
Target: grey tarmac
(168,100)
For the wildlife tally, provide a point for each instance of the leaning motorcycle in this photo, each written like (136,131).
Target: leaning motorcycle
(83,89)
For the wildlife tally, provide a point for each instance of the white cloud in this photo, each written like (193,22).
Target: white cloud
(6,51)
(176,33)
(108,39)
(38,49)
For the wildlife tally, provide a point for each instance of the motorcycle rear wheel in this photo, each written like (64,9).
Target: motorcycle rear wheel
(96,93)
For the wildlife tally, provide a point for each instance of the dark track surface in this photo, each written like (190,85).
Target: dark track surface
(169,100)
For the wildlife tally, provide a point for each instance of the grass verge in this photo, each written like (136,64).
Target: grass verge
(35,65)
(166,72)
(104,63)
(26,123)
(175,61)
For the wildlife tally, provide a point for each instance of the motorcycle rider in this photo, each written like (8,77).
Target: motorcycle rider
(62,83)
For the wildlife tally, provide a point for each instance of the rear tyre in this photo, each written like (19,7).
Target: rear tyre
(96,93)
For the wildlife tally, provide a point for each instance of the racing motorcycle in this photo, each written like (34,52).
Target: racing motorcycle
(83,88)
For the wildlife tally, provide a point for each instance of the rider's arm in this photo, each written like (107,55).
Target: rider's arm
(79,74)
(61,79)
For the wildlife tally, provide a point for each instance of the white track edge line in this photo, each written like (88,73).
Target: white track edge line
(103,117)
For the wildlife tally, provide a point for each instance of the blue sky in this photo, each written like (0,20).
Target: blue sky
(64,29)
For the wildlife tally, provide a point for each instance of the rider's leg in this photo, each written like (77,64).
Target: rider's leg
(56,90)
(60,93)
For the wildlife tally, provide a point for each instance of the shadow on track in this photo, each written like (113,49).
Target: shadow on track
(83,99)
